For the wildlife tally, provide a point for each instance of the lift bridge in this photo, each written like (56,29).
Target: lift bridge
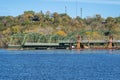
(38,41)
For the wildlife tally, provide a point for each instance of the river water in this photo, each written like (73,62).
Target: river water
(60,65)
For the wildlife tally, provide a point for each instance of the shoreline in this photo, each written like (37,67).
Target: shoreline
(65,49)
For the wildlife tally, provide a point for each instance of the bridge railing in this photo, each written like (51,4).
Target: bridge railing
(42,44)
(67,41)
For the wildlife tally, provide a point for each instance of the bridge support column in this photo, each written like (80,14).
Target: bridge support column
(110,42)
(78,42)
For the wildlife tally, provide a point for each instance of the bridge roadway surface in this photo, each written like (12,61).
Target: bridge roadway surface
(63,42)
(83,41)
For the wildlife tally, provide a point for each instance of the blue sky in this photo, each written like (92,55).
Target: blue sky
(105,8)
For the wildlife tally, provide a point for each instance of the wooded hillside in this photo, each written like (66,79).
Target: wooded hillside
(60,24)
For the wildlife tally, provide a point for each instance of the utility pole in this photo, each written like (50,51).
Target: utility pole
(65,9)
(76,7)
(81,12)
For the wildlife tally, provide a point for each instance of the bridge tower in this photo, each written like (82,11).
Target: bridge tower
(78,42)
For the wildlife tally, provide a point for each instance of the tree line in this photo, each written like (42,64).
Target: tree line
(48,23)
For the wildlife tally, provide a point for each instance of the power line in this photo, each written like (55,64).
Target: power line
(65,9)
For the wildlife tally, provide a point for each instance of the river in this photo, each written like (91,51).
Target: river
(60,65)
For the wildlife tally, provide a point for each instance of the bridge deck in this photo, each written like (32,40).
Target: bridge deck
(41,44)
(60,44)
(90,41)
(14,46)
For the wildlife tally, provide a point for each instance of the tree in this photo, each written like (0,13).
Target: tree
(57,19)
(16,29)
(61,33)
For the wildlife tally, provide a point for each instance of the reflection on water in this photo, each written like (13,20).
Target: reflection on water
(60,65)
(2,51)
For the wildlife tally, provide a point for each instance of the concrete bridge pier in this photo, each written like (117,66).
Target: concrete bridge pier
(78,42)
(110,42)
